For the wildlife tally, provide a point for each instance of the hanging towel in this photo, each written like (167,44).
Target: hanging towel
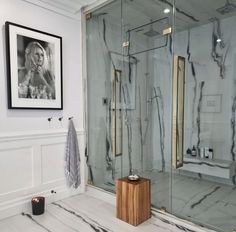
(72,158)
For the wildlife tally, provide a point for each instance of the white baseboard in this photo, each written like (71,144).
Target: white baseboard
(23,204)
(101,194)
(34,166)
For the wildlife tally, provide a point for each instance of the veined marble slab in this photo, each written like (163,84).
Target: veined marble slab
(84,213)
(203,201)
(219,168)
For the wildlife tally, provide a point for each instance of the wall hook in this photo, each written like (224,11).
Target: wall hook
(50,119)
(60,119)
(70,118)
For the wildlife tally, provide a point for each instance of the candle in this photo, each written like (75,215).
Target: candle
(38,204)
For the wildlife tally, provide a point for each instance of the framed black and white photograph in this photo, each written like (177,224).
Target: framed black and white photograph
(34,62)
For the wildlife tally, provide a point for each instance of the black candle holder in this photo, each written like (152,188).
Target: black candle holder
(38,205)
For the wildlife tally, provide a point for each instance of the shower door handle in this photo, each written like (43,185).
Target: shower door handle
(178,87)
(116,114)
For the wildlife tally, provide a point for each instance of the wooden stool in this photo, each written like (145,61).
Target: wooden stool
(133,200)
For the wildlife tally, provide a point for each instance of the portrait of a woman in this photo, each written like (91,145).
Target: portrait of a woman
(35,79)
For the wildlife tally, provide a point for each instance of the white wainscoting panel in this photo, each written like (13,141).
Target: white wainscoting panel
(13,162)
(31,164)
(52,156)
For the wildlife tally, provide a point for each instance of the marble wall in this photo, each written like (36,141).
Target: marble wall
(147,88)
(210,86)
(104,54)
(210,79)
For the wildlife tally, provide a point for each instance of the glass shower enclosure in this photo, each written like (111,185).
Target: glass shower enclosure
(161,103)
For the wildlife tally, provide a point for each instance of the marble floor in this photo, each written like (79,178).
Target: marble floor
(205,202)
(208,203)
(84,213)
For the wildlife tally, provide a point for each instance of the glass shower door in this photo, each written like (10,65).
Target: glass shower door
(203,187)
(146,94)
(104,64)
(131,128)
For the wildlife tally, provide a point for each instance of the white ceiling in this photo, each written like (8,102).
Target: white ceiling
(190,13)
(137,12)
(70,8)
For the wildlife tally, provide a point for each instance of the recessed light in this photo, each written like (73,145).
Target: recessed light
(166,11)
(218,40)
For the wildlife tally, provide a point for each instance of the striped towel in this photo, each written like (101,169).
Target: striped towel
(72,158)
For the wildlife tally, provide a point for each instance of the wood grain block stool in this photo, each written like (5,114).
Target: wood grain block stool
(133,200)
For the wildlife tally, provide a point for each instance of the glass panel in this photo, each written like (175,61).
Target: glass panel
(204,188)
(129,121)
(147,87)
(130,133)
(104,95)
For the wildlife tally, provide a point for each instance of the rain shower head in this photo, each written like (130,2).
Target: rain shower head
(227,8)
(151,32)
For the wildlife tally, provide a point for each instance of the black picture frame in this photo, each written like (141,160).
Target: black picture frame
(34,68)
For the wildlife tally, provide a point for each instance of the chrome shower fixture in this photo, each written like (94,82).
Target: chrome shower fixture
(151,32)
(152,98)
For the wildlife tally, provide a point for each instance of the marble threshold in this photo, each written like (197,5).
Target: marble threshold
(92,211)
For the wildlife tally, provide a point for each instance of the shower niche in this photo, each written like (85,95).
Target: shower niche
(201,160)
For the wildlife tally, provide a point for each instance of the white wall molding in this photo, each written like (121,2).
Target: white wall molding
(95,5)
(31,148)
(36,134)
(31,164)
(73,13)
(23,204)
(67,8)
(101,194)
